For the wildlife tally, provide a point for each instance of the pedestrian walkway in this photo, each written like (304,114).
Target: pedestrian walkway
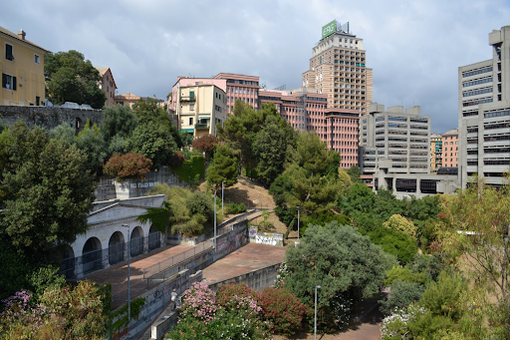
(244,260)
(117,275)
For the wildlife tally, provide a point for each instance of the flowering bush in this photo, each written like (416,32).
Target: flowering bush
(395,325)
(283,272)
(130,165)
(199,302)
(232,313)
(283,309)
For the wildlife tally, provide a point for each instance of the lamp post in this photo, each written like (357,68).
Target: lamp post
(128,273)
(297,222)
(222,189)
(315,321)
(215,221)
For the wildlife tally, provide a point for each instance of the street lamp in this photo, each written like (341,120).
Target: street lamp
(315,323)
(215,220)
(222,185)
(128,273)
(297,222)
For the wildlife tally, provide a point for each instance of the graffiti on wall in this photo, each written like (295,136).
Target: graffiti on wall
(272,239)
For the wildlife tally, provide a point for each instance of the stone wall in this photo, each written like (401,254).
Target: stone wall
(257,279)
(49,117)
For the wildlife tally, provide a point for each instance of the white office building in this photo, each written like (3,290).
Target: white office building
(484,113)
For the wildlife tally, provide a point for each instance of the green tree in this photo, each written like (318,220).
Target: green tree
(273,146)
(354,172)
(117,120)
(342,261)
(223,168)
(396,243)
(475,227)
(48,192)
(71,78)
(402,294)
(155,142)
(90,142)
(399,223)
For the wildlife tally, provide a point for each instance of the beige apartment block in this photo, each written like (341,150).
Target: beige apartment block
(107,84)
(436,152)
(22,69)
(338,70)
(126,99)
(484,114)
(199,108)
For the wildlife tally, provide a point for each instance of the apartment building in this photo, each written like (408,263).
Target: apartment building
(484,114)
(436,152)
(307,110)
(451,148)
(22,68)
(394,141)
(240,87)
(338,69)
(197,106)
(126,99)
(107,84)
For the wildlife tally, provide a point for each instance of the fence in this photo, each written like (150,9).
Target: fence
(167,268)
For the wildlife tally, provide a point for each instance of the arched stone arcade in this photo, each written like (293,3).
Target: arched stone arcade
(92,255)
(116,248)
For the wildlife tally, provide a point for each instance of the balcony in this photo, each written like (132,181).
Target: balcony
(202,126)
(189,98)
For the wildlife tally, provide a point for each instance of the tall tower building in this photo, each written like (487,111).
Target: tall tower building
(338,69)
(484,113)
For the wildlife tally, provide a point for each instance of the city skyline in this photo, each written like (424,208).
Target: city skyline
(414,49)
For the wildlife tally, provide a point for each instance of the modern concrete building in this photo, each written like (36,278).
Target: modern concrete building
(451,148)
(484,113)
(436,152)
(307,110)
(197,105)
(22,68)
(107,84)
(338,69)
(394,141)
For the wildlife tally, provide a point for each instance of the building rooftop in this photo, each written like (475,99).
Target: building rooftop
(22,38)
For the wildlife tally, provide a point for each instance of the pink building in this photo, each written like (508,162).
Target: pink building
(307,111)
(242,87)
(187,82)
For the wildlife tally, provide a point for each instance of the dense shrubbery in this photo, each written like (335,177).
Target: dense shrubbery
(283,309)
(235,208)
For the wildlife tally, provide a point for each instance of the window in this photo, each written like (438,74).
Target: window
(192,107)
(8,82)
(37,59)
(8,52)
(191,121)
(37,100)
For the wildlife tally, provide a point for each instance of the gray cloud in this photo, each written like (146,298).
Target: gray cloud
(414,47)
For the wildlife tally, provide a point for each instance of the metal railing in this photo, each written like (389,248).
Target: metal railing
(167,268)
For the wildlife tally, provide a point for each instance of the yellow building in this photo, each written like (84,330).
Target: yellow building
(199,108)
(22,68)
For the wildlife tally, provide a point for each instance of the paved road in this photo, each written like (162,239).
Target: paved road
(368,330)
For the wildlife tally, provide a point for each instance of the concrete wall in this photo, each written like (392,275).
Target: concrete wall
(156,300)
(257,279)
(49,117)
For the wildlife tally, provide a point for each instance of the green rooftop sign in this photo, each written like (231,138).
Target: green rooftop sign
(329,29)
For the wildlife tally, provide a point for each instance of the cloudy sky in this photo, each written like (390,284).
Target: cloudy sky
(414,47)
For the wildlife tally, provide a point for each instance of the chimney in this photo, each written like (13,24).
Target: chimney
(22,34)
